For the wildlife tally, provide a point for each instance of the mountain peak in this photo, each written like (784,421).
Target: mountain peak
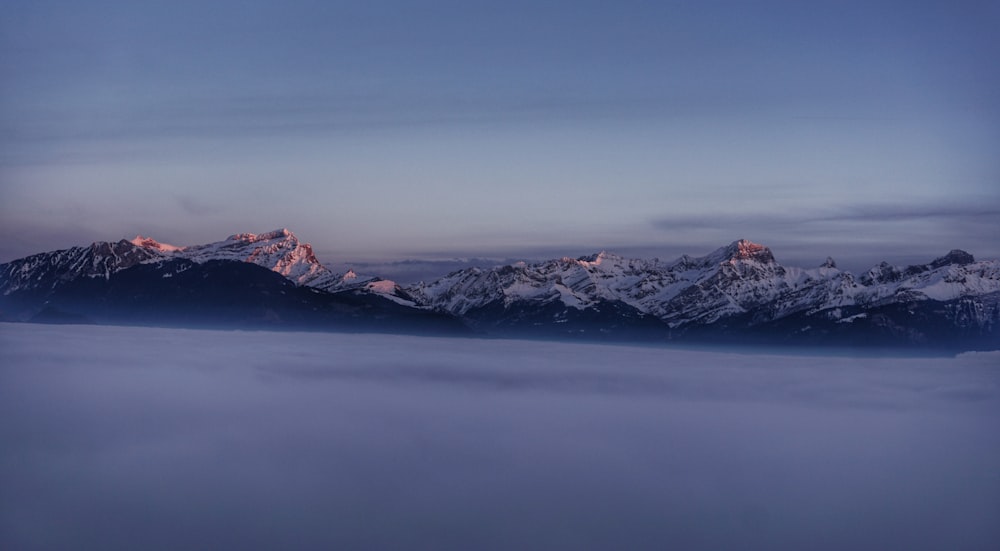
(745,249)
(150,243)
(955,256)
(829,263)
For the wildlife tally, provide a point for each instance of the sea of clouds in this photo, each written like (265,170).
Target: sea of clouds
(145,438)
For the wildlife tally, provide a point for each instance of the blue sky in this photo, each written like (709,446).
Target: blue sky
(390,130)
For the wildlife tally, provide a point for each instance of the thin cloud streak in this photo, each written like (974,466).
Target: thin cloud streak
(304,116)
(858,213)
(882,213)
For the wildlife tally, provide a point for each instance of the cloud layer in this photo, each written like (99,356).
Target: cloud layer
(129,438)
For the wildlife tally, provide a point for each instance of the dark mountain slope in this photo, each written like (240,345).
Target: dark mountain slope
(219,293)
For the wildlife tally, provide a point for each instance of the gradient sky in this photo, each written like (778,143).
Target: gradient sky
(381,130)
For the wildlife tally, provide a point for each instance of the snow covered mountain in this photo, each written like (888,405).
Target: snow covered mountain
(735,292)
(247,280)
(278,250)
(46,271)
(732,280)
(739,287)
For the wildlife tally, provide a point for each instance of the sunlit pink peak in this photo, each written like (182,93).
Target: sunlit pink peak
(741,250)
(745,247)
(150,243)
(747,250)
(349,276)
(253,238)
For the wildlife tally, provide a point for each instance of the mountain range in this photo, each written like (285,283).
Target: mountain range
(736,294)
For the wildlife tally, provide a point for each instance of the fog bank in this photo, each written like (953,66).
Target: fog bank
(139,438)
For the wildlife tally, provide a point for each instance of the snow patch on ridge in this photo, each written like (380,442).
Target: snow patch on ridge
(150,243)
